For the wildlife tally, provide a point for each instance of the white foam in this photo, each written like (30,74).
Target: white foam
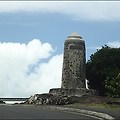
(13,102)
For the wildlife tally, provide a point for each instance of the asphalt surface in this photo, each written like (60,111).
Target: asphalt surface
(33,112)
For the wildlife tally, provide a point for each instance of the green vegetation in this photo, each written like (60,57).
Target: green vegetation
(100,106)
(93,101)
(113,87)
(103,71)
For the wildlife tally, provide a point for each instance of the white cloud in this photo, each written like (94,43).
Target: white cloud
(114,44)
(84,10)
(15,62)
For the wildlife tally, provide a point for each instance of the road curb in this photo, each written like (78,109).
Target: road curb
(86,112)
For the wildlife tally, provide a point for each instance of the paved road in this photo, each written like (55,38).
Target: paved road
(32,112)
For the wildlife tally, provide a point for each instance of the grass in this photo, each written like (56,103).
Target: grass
(97,102)
(94,105)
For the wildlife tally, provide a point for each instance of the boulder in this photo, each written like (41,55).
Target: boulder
(2,102)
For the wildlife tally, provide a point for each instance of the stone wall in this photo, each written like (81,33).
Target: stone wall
(72,92)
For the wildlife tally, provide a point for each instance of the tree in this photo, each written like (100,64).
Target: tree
(113,87)
(103,64)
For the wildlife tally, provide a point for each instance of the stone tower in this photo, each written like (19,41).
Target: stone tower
(73,73)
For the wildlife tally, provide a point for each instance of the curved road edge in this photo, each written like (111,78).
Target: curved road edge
(86,112)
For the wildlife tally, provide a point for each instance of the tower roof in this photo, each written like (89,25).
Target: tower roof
(74,35)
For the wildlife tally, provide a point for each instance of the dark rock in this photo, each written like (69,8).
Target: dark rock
(2,102)
(50,99)
(114,102)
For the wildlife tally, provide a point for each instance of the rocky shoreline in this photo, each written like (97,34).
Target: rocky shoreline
(50,99)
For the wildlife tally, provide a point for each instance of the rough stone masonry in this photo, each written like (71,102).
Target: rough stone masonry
(73,72)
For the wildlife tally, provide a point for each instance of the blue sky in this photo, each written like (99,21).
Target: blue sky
(54,25)
(51,23)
